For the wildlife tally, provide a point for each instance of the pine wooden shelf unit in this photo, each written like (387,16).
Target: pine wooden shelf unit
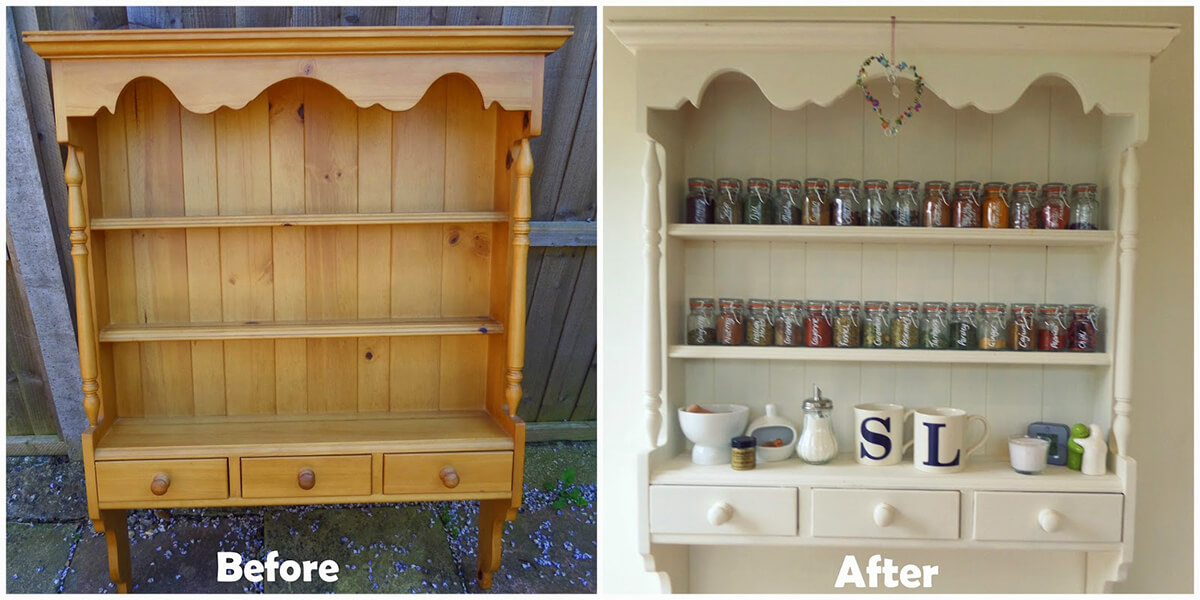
(300,264)
(776,98)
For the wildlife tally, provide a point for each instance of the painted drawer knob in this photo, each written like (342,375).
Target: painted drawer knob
(1050,520)
(306,479)
(449,477)
(720,513)
(160,484)
(885,514)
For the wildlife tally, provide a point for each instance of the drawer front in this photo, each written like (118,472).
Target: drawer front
(904,514)
(722,510)
(138,480)
(1048,517)
(287,477)
(447,472)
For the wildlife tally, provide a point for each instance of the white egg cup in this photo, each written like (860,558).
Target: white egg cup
(711,432)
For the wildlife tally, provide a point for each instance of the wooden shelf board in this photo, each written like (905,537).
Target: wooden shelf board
(985,473)
(268,435)
(157,332)
(991,357)
(306,220)
(892,235)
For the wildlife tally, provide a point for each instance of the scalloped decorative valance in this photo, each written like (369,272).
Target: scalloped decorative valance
(207,69)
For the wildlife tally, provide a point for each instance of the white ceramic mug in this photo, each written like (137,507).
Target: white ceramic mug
(879,434)
(940,439)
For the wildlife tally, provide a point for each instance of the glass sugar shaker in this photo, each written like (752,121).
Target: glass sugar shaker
(817,444)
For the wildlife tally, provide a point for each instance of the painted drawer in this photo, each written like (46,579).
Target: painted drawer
(306,476)
(1048,517)
(447,472)
(162,480)
(883,513)
(722,510)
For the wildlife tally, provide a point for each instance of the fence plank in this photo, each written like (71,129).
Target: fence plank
(577,195)
(562,233)
(585,408)
(209,16)
(155,17)
(525,15)
(474,15)
(576,347)
(369,16)
(24,360)
(88,17)
(549,306)
(315,16)
(262,16)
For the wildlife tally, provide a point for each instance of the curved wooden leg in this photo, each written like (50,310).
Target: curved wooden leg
(116,534)
(491,526)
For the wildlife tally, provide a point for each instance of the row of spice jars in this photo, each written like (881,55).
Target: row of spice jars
(877,324)
(993,205)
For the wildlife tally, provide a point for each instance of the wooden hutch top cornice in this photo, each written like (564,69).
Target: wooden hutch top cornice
(262,41)
(208,69)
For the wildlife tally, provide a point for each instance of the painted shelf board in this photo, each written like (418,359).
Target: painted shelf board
(892,235)
(279,435)
(413,218)
(248,330)
(980,473)
(893,356)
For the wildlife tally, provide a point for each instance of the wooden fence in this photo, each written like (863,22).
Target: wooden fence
(560,364)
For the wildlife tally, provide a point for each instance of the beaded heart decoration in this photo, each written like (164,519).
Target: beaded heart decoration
(892,72)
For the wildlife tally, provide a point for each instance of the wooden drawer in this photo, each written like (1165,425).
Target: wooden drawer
(1048,517)
(287,477)
(905,514)
(422,473)
(183,479)
(722,510)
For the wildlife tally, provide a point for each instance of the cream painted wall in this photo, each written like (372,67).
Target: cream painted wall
(1163,374)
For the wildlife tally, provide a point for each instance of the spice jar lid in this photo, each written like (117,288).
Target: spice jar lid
(699,182)
(966,185)
(701,302)
(790,304)
(847,304)
(1023,308)
(845,182)
(904,184)
(760,303)
(732,182)
(991,307)
(1025,186)
(816,183)
(934,306)
(906,306)
(743,441)
(818,304)
(1054,188)
(1048,309)
(995,186)
(759,183)
(817,402)
(875,184)
(962,306)
(937,184)
(787,184)
(876,305)
(730,303)
(1084,188)
(1082,308)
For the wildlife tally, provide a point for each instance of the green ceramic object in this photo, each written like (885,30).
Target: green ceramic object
(1074,450)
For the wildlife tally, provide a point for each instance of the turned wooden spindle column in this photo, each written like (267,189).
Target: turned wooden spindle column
(78,223)
(652,221)
(1123,375)
(516,301)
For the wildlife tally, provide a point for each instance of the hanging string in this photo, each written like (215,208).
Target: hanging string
(893,54)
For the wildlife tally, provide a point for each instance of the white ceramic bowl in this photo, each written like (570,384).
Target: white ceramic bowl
(711,432)
(770,432)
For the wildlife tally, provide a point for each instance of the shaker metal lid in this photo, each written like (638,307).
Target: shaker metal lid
(817,402)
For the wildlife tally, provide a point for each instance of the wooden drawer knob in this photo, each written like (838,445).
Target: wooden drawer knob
(306,478)
(449,477)
(1050,520)
(720,513)
(160,484)
(885,514)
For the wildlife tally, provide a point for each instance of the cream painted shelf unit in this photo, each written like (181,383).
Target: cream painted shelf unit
(1003,101)
(300,262)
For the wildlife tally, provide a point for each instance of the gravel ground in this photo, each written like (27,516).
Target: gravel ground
(381,548)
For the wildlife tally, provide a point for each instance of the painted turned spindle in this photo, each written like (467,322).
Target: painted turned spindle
(1123,375)
(77,222)
(652,221)
(516,301)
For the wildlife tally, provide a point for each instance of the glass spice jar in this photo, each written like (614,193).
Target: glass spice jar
(818,324)
(789,326)
(937,207)
(1055,212)
(731,324)
(877,205)
(729,201)
(760,323)
(1023,212)
(995,205)
(847,324)
(789,203)
(1081,333)
(906,211)
(964,330)
(847,203)
(1052,328)
(1022,327)
(758,207)
(1085,207)
(993,331)
(935,326)
(877,325)
(699,202)
(816,201)
(906,326)
(701,322)
(967,206)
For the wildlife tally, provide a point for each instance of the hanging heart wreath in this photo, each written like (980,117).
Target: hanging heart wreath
(892,72)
